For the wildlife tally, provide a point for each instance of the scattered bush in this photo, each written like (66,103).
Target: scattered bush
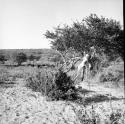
(113,73)
(31,57)
(63,88)
(2,59)
(5,76)
(19,57)
(40,81)
(10,63)
(56,86)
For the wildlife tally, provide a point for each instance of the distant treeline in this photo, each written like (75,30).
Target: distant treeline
(28,57)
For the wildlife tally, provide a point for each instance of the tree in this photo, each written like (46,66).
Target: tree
(31,57)
(2,58)
(20,57)
(102,33)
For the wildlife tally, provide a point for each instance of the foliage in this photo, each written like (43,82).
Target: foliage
(113,75)
(2,58)
(64,87)
(62,81)
(31,57)
(104,34)
(55,87)
(19,57)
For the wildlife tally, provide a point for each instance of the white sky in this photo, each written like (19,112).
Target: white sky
(23,22)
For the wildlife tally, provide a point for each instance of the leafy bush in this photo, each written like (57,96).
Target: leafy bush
(64,88)
(55,86)
(19,57)
(31,57)
(2,58)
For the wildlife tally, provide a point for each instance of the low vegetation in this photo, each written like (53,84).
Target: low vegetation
(55,85)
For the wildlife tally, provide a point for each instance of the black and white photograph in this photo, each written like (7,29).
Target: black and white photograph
(62,62)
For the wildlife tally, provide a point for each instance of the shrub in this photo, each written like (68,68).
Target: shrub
(63,88)
(5,76)
(56,86)
(2,58)
(40,81)
(20,57)
(10,63)
(31,57)
(112,73)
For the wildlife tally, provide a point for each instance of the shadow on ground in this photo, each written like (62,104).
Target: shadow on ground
(84,91)
(87,97)
(7,84)
(99,98)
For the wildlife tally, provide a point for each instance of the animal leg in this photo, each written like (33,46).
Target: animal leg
(83,73)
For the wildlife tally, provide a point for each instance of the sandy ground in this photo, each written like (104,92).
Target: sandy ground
(19,105)
(101,89)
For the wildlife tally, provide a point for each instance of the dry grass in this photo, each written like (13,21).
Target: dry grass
(21,105)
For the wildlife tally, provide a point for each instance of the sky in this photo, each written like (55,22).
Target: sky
(23,22)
